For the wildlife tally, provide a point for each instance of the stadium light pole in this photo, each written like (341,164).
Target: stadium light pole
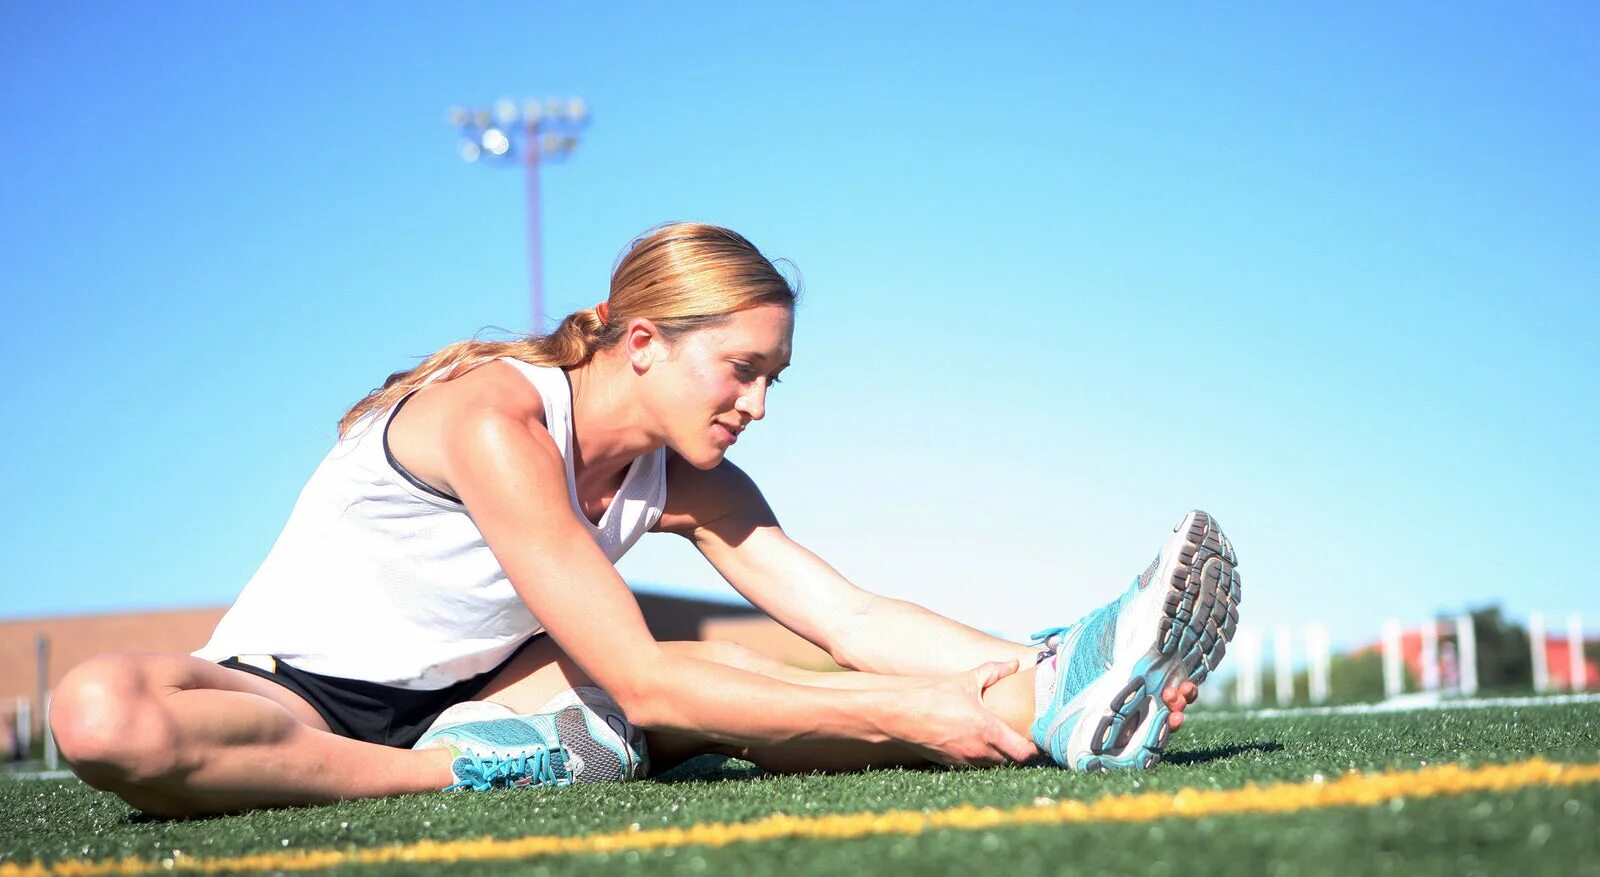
(531,134)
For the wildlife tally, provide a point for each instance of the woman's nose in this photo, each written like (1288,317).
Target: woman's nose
(753,401)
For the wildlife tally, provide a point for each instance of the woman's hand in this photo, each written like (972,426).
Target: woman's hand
(946,721)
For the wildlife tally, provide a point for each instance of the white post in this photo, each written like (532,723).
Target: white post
(1430,655)
(1541,669)
(1283,664)
(1247,657)
(1467,654)
(1392,681)
(1318,661)
(1256,657)
(1575,652)
(24,727)
(52,758)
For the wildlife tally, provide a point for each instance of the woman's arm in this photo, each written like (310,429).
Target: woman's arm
(505,467)
(723,513)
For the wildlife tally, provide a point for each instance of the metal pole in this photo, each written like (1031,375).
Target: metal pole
(1392,680)
(1247,657)
(533,149)
(548,130)
(1541,668)
(1282,665)
(52,755)
(41,649)
(1317,652)
(14,753)
(1430,655)
(1575,662)
(24,729)
(1467,654)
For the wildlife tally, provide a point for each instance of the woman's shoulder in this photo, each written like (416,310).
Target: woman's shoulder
(450,420)
(446,413)
(697,497)
(495,388)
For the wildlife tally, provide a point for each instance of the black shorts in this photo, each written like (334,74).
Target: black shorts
(369,711)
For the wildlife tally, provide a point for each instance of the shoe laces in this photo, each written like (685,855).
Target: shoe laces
(535,767)
(1054,638)
(1095,629)
(1050,638)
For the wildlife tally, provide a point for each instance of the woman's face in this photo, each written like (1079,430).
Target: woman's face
(711,383)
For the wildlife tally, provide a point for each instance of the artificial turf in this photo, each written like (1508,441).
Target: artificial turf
(1531,829)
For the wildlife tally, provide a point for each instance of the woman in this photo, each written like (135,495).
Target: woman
(456,548)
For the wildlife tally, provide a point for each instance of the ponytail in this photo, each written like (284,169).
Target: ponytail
(681,276)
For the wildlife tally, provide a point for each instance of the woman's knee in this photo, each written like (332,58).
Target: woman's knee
(109,721)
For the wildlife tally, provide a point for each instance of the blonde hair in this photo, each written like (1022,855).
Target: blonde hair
(681,276)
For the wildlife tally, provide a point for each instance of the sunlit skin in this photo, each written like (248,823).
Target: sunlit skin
(714,382)
(1177,697)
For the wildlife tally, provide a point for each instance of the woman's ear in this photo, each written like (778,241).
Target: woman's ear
(643,343)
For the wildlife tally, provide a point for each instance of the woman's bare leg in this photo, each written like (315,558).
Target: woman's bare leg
(180,736)
(1011,698)
(543,670)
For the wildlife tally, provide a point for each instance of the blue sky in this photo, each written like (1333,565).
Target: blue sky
(1069,271)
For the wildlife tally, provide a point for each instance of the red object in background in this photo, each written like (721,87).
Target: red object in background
(1557,653)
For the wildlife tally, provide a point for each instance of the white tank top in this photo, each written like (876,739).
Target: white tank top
(378,577)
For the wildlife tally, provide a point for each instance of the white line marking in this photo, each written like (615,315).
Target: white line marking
(1413,703)
(37,775)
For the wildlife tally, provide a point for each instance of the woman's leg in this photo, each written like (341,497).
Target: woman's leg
(1012,699)
(180,736)
(542,671)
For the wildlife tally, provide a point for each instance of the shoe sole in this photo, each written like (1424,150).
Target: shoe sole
(1180,629)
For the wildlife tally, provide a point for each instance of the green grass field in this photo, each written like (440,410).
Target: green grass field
(1449,809)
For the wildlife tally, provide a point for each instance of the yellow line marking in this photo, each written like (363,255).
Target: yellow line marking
(1351,790)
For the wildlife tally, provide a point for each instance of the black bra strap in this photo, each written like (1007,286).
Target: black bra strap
(416,482)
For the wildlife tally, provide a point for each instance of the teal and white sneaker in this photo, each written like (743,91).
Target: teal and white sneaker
(609,725)
(1098,691)
(552,749)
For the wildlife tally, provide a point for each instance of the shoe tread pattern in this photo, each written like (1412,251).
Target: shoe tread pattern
(1202,614)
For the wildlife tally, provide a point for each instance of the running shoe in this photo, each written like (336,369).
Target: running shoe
(552,749)
(1098,690)
(609,724)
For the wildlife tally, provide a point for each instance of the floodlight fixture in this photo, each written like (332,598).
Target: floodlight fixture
(506,112)
(495,142)
(546,129)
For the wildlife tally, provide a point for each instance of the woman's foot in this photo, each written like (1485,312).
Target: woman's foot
(1111,687)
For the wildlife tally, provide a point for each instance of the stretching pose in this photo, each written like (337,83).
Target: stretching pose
(442,610)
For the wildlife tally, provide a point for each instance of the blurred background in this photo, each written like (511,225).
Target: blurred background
(1068,272)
